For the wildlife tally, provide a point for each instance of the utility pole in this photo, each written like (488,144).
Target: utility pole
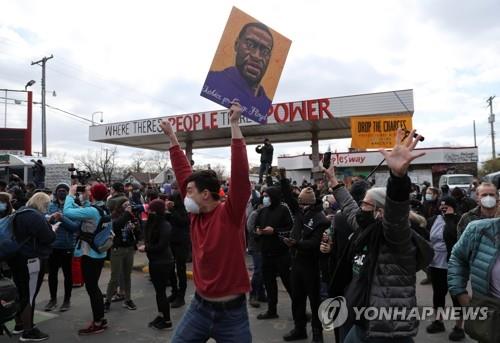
(44,121)
(475,140)
(491,120)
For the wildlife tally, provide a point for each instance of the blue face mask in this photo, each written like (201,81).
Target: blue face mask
(266,202)
(3,207)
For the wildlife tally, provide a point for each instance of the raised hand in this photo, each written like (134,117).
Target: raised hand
(400,157)
(330,175)
(235,112)
(168,130)
(166,127)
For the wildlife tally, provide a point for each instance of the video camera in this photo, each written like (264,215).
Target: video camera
(82,177)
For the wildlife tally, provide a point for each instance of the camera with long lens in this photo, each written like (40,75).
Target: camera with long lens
(82,178)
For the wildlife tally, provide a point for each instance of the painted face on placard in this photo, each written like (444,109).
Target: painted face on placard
(253,52)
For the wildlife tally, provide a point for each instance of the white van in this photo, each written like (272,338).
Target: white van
(456,180)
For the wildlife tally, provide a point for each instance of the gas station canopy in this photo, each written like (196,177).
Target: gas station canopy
(327,118)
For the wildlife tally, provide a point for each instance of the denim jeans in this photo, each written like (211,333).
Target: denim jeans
(356,335)
(201,322)
(257,277)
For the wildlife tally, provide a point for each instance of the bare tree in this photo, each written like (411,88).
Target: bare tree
(59,157)
(101,164)
(156,162)
(219,169)
(138,162)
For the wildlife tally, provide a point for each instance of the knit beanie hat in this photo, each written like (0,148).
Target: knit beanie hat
(307,197)
(99,192)
(157,206)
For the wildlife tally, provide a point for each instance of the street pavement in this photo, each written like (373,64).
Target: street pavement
(131,326)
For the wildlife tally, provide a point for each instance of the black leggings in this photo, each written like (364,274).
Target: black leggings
(60,258)
(180,252)
(160,274)
(439,278)
(91,270)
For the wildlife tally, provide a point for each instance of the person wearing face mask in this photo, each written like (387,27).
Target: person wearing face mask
(219,308)
(308,228)
(430,207)
(266,158)
(443,236)
(62,252)
(274,223)
(379,265)
(464,203)
(487,201)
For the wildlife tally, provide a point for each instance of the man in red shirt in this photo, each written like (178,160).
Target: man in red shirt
(218,309)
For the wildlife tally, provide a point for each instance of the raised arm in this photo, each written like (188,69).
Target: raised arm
(239,188)
(397,206)
(180,163)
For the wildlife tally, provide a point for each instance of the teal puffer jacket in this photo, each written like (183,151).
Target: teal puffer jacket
(474,256)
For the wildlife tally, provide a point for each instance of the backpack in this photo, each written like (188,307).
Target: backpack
(9,302)
(101,240)
(9,246)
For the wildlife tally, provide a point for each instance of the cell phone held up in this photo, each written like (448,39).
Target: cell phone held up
(80,189)
(327,159)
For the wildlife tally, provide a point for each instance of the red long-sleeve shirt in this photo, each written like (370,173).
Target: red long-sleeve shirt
(218,237)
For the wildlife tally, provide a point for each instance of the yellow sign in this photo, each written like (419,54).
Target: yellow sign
(375,132)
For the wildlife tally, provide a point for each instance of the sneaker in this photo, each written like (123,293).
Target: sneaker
(51,305)
(65,306)
(435,327)
(93,328)
(117,297)
(457,334)
(162,325)
(267,315)
(129,304)
(295,335)
(18,329)
(107,307)
(33,335)
(254,302)
(156,320)
(178,302)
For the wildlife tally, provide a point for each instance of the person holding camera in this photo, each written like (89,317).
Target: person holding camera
(266,152)
(62,252)
(274,223)
(219,308)
(92,260)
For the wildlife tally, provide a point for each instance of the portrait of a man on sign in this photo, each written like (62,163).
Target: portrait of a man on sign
(247,66)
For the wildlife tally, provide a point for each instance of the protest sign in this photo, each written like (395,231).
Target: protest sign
(375,132)
(247,66)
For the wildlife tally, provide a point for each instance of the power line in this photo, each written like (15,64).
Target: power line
(71,114)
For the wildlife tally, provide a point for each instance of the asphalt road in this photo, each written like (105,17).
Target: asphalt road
(131,326)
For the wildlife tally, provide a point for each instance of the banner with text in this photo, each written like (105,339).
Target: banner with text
(375,132)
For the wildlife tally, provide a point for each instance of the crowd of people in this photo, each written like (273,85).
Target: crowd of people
(322,239)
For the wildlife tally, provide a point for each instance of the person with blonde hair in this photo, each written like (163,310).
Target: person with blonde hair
(35,235)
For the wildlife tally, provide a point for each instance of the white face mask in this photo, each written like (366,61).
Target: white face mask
(488,202)
(191,205)
(266,202)
(326,205)
(428,196)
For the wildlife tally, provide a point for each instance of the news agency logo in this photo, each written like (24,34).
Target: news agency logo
(333,313)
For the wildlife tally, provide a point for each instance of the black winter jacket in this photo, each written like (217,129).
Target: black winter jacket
(399,254)
(31,224)
(308,230)
(279,217)
(266,153)
(450,235)
(157,242)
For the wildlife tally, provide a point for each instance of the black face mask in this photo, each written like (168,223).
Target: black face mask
(365,218)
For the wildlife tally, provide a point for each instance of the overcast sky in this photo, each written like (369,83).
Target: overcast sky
(134,60)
